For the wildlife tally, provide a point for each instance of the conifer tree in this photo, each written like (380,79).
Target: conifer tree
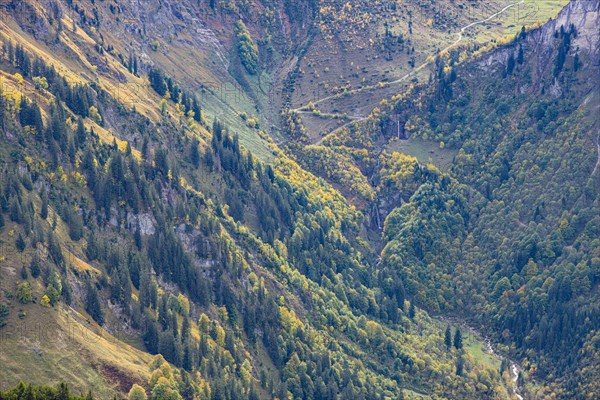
(44,208)
(458,341)
(448,337)
(92,303)
(34,267)
(20,243)
(411,310)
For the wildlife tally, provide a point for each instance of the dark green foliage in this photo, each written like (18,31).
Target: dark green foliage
(157,81)
(24,273)
(458,341)
(80,133)
(34,267)
(195,152)
(163,85)
(54,249)
(74,221)
(197,110)
(194,248)
(563,49)
(20,243)
(92,303)
(510,65)
(44,208)
(67,292)
(29,392)
(30,115)
(4,311)
(495,241)
(520,57)
(57,133)
(448,337)
(151,335)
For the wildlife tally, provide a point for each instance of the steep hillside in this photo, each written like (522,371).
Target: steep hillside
(508,237)
(367,51)
(154,233)
(114,44)
(493,168)
(148,228)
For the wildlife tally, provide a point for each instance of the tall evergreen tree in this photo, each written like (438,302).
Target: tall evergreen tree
(92,303)
(411,310)
(448,337)
(458,341)
(20,243)
(44,208)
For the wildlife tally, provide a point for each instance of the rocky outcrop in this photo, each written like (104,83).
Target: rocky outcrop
(168,21)
(144,221)
(582,16)
(585,16)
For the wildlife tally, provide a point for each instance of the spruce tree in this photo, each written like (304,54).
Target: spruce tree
(67,293)
(92,303)
(520,57)
(448,337)
(24,273)
(411,310)
(34,267)
(44,209)
(20,243)
(458,342)
(151,337)
(80,133)
(195,153)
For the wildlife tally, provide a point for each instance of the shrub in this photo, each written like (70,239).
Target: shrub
(24,293)
(137,393)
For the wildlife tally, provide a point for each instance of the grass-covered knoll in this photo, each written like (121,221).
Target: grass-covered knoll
(50,346)
(425,151)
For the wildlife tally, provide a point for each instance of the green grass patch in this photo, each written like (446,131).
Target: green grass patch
(225,104)
(424,151)
(474,344)
(410,394)
(478,349)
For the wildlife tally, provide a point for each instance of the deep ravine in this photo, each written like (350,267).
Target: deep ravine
(515,368)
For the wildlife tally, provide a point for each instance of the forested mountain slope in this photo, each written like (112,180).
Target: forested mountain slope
(146,211)
(136,228)
(489,174)
(510,236)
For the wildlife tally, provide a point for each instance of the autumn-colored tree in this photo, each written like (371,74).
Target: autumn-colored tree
(137,393)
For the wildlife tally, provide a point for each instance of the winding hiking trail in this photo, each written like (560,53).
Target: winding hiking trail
(412,73)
